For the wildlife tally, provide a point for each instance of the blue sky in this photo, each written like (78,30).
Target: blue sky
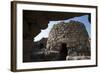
(44,33)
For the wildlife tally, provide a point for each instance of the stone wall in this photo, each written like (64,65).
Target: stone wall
(73,34)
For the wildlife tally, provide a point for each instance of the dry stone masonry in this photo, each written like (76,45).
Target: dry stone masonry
(75,37)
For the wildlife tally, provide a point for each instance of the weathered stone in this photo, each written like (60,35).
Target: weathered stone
(34,21)
(74,35)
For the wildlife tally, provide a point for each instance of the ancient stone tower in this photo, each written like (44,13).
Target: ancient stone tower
(74,35)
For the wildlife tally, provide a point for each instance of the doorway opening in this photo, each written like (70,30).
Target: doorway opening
(63,51)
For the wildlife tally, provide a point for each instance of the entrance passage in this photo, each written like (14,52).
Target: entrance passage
(63,51)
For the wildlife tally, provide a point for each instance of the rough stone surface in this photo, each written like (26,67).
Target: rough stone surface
(74,35)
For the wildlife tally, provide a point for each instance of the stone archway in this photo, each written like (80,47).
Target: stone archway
(35,21)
